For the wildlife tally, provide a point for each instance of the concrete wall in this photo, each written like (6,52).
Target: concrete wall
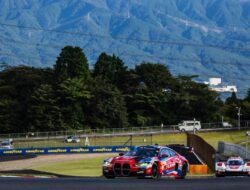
(233,149)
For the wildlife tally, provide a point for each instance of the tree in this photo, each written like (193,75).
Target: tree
(74,96)
(16,86)
(7,115)
(247,98)
(110,68)
(43,112)
(107,107)
(193,100)
(156,76)
(233,99)
(71,63)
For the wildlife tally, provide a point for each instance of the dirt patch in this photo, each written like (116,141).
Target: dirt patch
(42,160)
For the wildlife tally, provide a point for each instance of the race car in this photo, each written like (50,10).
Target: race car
(234,166)
(146,161)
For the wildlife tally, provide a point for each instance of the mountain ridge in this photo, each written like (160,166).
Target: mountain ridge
(136,30)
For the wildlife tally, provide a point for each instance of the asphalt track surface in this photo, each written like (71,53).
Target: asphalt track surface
(227,183)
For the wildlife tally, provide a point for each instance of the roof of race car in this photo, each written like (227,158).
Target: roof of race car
(235,158)
(153,146)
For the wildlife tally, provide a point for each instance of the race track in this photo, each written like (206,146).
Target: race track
(228,183)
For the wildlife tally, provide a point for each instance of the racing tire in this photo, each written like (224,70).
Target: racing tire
(219,175)
(108,175)
(155,174)
(183,171)
(183,130)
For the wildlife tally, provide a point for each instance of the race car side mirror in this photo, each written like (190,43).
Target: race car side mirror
(121,154)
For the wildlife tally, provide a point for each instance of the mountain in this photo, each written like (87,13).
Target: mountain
(195,37)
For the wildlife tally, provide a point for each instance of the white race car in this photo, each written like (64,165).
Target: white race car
(232,167)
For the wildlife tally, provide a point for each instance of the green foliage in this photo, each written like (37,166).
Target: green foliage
(73,96)
(233,99)
(156,77)
(110,69)
(66,97)
(107,107)
(16,86)
(71,63)
(248,96)
(44,113)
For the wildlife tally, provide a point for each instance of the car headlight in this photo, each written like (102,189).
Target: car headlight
(145,164)
(107,163)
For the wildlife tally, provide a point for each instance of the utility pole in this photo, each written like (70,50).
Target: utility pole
(239,108)
(194,126)
(247,135)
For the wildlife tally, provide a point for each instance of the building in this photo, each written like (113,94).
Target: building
(215,84)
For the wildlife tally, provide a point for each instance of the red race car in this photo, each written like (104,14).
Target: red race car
(143,161)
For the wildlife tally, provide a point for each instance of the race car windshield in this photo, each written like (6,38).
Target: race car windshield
(142,152)
(235,162)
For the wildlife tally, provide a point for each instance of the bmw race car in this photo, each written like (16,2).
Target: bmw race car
(147,161)
(233,166)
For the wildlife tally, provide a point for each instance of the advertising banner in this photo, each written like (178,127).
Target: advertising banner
(65,150)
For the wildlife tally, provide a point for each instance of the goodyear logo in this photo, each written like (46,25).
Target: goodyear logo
(34,151)
(102,150)
(12,152)
(79,150)
(125,149)
(58,150)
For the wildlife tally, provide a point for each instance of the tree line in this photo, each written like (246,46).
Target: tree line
(71,96)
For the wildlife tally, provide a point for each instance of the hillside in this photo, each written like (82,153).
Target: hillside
(181,34)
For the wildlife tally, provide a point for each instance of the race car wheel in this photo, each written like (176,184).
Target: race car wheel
(219,175)
(155,173)
(183,171)
(108,175)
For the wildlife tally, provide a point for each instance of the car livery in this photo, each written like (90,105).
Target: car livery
(233,166)
(146,161)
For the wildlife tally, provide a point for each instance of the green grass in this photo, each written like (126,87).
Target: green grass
(161,139)
(86,167)
(235,137)
(92,167)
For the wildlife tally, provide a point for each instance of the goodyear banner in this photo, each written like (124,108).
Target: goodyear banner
(65,150)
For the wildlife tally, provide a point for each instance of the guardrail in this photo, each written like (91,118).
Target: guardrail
(233,150)
(116,131)
(64,150)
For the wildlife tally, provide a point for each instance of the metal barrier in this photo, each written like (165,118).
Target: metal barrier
(115,131)
(203,149)
(65,150)
(107,140)
(233,150)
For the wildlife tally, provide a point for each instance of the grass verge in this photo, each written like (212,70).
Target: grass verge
(86,167)
(235,137)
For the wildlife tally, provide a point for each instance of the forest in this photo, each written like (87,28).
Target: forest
(70,95)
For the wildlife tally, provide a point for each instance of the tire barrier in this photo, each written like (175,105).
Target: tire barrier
(65,150)
(198,169)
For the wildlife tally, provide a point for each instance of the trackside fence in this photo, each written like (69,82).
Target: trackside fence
(117,131)
(229,149)
(203,149)
(64,150)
